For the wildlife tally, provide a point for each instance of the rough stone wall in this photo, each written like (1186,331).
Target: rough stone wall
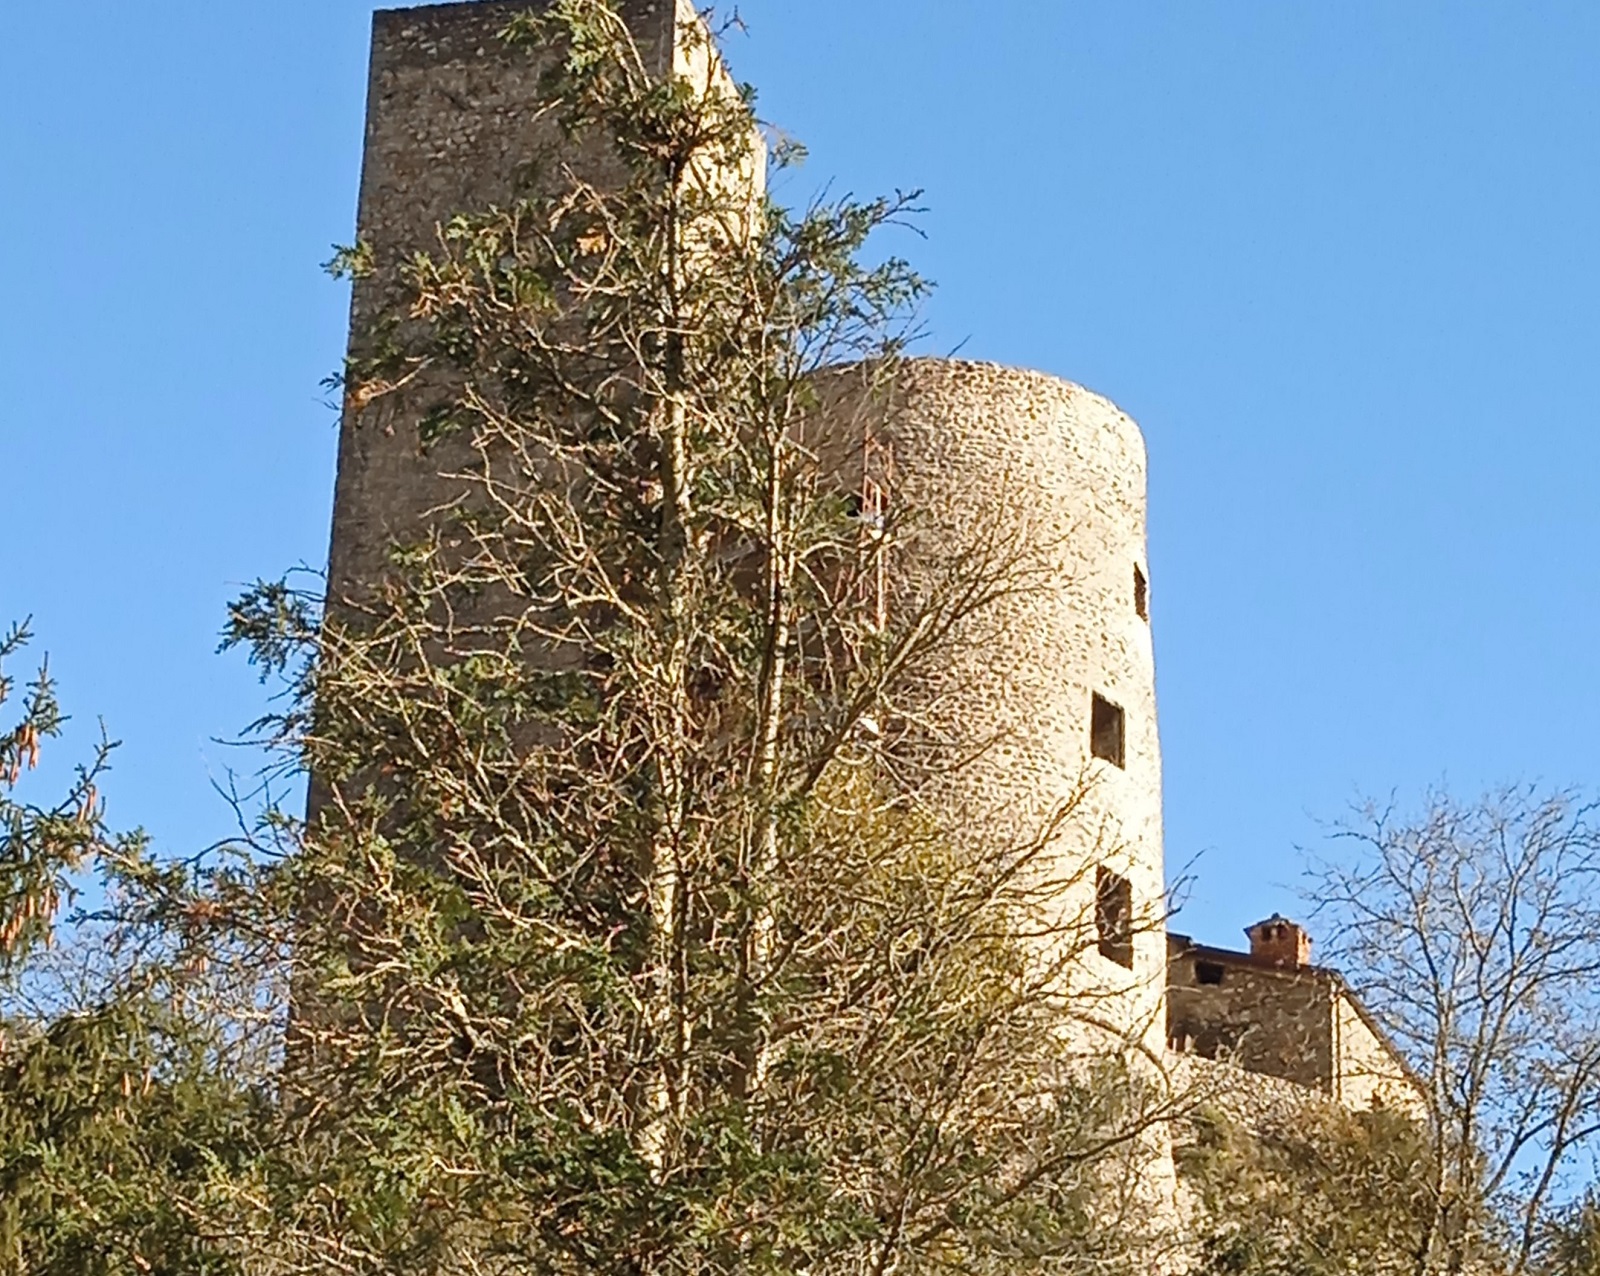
(1051,477)
(1277,1022)
(697,61)
(1250,1099)
(451,128)
(1368,1073)
(1301,1025)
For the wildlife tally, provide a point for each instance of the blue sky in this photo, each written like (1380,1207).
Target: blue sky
(1338,259)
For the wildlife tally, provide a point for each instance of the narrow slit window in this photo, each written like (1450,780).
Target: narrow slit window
(1141,593)
(1113,916)
(1106,731)
(1207,972)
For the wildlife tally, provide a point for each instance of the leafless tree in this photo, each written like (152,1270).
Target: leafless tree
(1472,930)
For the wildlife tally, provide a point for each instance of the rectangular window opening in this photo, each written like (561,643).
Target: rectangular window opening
(1141,593)
(1207,972)
(1106,731)
(1113,916)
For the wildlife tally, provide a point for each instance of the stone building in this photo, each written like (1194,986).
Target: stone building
(1054,698)
(1270,1011)
(1055,695)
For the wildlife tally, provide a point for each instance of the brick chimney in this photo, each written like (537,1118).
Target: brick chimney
(1280,942)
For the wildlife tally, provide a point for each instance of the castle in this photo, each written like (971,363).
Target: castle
(1064,681)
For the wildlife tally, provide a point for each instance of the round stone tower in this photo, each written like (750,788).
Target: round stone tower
(1049,693)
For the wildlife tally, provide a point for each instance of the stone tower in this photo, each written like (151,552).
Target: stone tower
(450,126)
(1055,689)
(1050,693)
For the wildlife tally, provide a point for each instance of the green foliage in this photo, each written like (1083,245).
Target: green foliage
(120,1144)
(40,846)
(1323,1191)
(126,1127)
(351,261)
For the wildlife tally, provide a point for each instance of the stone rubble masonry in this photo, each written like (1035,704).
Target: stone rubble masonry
(1049,480)
(1252,1100)
(1046,482)
(1299,1023)
(452,126)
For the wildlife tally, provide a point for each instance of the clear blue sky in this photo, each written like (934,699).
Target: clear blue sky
(1338,259)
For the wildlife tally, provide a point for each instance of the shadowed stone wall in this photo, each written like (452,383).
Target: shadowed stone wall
(451,128)
(1278,1022)
(1301,1024)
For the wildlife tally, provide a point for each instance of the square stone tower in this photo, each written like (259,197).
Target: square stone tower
(452,127)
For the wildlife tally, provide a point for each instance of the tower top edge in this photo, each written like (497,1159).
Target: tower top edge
(468,10)
(430,36)
(1012,377)
(446,9)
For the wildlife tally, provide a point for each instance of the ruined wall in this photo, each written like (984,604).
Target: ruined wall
(1268,1020)
(1250,1099)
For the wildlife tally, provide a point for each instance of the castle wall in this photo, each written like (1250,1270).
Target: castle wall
(1251,1099)
(1269,1020)
(994,468)
(1013,460)
(1297,1023)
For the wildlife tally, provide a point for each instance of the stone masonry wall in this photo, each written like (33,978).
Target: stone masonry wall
(1368,1072)
(451,128)
(1015,461)
(1269,1020)
(1052,476)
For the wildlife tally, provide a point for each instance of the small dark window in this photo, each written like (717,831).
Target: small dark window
(1106,731)
(1113,916)
(1207,972)
(1141,593)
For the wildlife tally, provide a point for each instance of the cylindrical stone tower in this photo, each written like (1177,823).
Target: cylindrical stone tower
(1049,692)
